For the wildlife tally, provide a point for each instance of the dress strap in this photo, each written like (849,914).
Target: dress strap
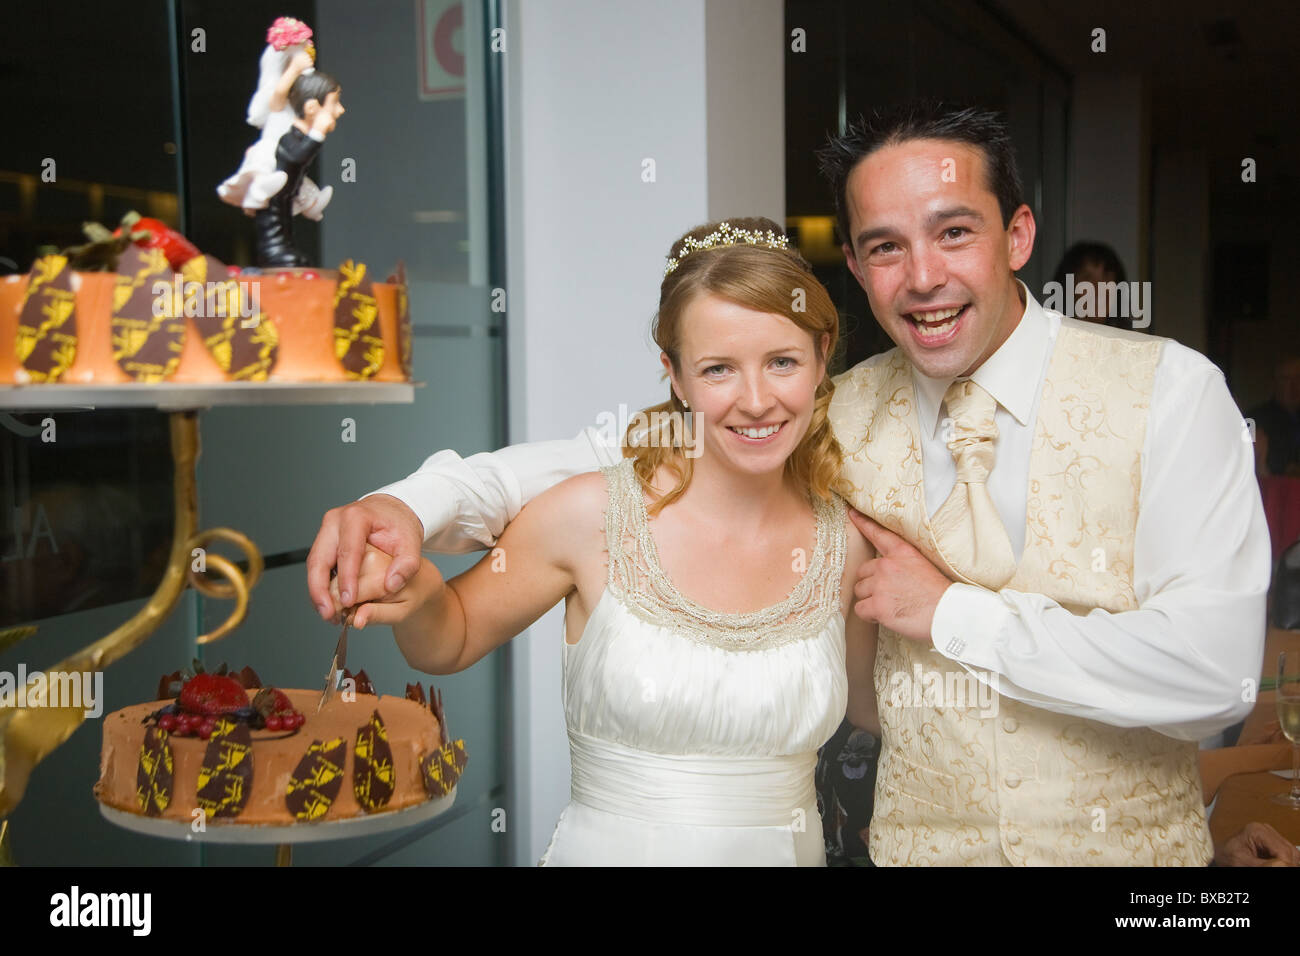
(636,576)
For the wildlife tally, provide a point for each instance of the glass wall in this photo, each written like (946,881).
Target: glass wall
(148,112)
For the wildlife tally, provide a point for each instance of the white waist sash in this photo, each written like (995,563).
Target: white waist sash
(694,790)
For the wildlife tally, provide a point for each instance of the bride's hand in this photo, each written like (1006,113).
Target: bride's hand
(374,604)
(301,61)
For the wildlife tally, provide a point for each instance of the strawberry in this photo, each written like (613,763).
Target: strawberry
(212,694)
(153,234)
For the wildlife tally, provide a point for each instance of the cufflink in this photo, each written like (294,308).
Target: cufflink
(955,646)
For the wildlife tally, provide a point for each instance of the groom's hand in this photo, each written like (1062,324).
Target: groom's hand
(899,587)
(380,520)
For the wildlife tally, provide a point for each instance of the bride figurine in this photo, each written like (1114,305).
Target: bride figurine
(289,54)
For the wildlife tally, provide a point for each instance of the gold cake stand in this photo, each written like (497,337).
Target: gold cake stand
(30,734)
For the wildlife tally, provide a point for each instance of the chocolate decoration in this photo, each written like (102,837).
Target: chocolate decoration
(169,685)
(435,707)
(217,305)
(317,780)
(398,278)
(148,327)
(362,680)
(372,766)
(248,678)
(436,783)
(357,341)
(153,779)
(441,769)
(225,779)
(458,755)
(47,325)
(416,693)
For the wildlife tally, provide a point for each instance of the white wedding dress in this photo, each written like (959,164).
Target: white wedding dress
(694,734)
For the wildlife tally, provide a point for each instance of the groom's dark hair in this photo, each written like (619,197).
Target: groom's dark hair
(923,119)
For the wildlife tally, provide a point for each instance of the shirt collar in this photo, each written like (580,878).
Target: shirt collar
(1010,374)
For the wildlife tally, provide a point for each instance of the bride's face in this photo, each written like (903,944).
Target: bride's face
(747,371)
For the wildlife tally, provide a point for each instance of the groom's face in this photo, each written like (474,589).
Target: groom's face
(929,248)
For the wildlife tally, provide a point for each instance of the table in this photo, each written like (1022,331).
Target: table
(1245,797)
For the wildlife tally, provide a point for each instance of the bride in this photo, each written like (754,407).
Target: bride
(710,646)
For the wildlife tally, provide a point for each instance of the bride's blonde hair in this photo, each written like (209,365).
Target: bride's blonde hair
(769,280)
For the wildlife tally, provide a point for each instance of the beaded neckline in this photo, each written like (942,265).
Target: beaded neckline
(637,576)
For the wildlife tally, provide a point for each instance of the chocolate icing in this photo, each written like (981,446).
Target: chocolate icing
(47,324)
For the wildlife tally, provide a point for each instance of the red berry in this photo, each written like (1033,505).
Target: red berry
(310,275)
(167,722)
(298,719)
(274,722)
(205,732)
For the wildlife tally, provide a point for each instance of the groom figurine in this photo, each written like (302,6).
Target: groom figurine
(315,101)
(1072,555)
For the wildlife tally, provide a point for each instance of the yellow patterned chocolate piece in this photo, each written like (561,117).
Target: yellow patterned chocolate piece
(317,780)
(441,768)
(47,325)
(239,336)
(357,341)
(148,325)
(226,776)
(153,779)
(372,765)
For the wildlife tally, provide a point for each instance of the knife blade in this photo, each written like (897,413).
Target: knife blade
(338,661)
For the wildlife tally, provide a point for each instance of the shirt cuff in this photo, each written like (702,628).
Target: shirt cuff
(967,621)
(432,500)
(316,135)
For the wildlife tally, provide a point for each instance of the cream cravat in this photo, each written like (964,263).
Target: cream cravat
(967,528)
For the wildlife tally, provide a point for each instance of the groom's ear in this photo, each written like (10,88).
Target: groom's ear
(1020,237)
(851,261)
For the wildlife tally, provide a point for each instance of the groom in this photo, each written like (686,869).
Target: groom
(1072,558)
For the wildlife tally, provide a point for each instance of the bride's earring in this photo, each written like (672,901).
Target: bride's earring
(685,403)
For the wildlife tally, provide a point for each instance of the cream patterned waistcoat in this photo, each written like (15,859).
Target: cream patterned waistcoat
(969,778)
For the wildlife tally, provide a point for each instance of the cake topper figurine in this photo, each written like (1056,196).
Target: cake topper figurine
(289,54)
(314,98)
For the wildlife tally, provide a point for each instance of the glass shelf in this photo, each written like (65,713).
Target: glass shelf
(172,396)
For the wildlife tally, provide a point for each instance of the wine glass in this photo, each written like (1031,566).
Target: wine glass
(1288,714)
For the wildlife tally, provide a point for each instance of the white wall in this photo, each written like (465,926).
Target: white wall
(745,70)
(593,90)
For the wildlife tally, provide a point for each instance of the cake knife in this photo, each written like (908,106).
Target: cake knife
(338,661)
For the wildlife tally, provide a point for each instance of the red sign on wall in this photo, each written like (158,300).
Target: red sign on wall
(440,26)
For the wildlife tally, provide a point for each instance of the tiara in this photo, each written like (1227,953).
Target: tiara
(728,235)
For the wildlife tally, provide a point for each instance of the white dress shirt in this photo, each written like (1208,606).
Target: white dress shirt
(1184,663)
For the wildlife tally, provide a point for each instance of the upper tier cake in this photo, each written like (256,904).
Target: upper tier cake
(204,324)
